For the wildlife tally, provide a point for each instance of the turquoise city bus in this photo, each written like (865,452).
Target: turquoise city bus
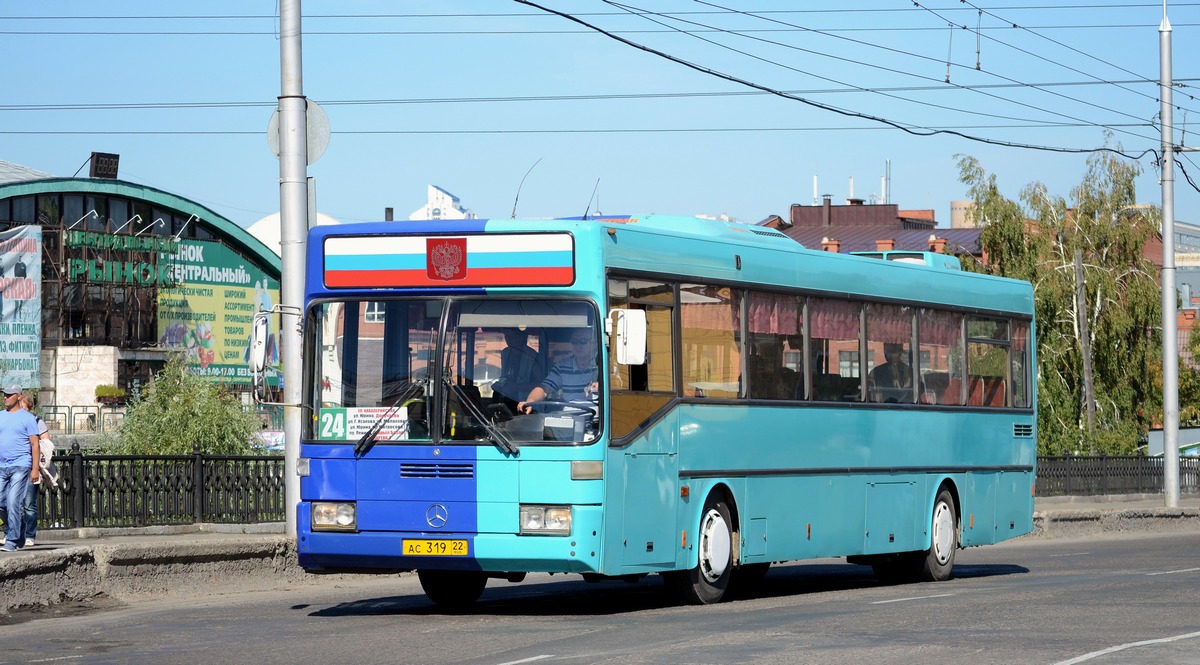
(623,396)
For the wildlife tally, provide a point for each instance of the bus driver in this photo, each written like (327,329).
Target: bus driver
(575,378)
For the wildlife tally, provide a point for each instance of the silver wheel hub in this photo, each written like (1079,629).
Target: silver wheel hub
(715,545)
(943,533)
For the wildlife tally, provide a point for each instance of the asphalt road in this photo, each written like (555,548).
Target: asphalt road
(1101,601)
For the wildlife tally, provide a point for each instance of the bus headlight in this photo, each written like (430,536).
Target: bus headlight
(334,516)
(546,520)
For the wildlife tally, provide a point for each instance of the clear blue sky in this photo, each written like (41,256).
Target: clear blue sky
(468,95)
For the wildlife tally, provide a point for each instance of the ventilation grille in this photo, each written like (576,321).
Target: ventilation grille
(773,234)
(1023,431)
(464,471)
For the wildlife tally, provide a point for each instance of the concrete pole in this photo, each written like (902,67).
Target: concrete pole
(293,220)
(1170,334)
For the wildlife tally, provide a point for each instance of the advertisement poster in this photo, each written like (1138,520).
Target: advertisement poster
(209,313)
(21,306)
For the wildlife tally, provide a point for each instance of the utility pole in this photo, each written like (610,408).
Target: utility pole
(1170,335)
(293,220)
(1085,345)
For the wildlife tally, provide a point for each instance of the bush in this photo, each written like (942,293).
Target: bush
(179,409)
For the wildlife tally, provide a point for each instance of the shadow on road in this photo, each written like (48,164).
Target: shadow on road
(574,597)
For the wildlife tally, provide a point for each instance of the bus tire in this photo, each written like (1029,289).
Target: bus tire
(452,589)
(938,561)
(706,583)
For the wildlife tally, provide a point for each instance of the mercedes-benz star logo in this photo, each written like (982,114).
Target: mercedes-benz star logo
(437,515)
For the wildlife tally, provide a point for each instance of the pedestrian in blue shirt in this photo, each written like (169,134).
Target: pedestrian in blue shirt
(18,449)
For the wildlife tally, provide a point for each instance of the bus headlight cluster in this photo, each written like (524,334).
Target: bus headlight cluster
(546,520)
(334,516)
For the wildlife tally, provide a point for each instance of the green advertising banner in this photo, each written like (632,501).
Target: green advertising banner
(209,313)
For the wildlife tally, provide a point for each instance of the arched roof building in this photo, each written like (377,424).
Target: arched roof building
(101,279)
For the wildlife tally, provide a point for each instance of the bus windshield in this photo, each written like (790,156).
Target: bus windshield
(446,370)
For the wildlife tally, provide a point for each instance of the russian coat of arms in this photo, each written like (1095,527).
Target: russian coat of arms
(445,258)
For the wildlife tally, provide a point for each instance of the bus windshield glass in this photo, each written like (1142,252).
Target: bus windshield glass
(444,370)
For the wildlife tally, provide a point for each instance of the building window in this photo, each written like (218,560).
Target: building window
(374,313)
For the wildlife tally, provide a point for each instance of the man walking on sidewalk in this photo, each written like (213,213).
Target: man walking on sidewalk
(18,449)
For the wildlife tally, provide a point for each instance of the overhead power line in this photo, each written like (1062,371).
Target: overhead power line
(915,131)
(940,87)
(650,17)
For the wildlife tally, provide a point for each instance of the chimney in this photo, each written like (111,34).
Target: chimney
(828,245)
(826,210)
(885,245)
(936,244)
(387,214)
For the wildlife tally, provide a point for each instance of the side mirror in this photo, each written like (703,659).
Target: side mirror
(630,336)
(260,332)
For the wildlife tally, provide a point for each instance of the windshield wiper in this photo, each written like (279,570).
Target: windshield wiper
(367,440)
(502,441)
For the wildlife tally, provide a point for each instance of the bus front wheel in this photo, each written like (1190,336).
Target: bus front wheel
(706,583)
(452,589)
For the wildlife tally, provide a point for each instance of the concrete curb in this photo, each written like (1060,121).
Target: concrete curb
(1067,523)
(126,571)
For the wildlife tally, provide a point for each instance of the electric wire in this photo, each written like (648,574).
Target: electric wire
(647,15)
(947,81)
(914,130)
(1058,63)
(109,106)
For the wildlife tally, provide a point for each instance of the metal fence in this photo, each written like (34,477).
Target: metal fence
(140,490)
(1084,476)
(136,490)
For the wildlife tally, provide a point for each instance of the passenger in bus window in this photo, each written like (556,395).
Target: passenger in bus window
(573,379)
(892,381)
(521,368)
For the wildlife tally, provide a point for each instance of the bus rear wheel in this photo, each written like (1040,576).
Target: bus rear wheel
(938,561)
(706,583)
(452,589)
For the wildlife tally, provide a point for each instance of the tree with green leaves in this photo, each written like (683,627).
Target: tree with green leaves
(178,409)
(1118,319)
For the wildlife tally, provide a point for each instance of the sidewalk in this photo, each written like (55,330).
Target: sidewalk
(1074,516)
(80,564)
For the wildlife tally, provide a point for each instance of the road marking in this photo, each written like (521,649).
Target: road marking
(1172,572)
(1122,647)
(904,600)
(51,660)
(1053,556)
(525,660)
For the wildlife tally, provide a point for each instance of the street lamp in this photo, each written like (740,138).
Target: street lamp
(158,221)
(137,217)
(90,213)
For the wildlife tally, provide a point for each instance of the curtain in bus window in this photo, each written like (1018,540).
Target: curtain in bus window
(939,349)
(775,364)
(889,349)
(712,356)
(834,352)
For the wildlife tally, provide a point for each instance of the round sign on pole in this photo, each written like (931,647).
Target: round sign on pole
(318,131)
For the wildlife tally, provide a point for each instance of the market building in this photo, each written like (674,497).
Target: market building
(102,279)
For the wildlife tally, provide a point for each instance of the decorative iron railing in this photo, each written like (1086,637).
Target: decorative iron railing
(134,490)
(139,490)
(1069,475)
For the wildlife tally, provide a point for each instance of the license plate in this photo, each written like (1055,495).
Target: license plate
(415,547)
